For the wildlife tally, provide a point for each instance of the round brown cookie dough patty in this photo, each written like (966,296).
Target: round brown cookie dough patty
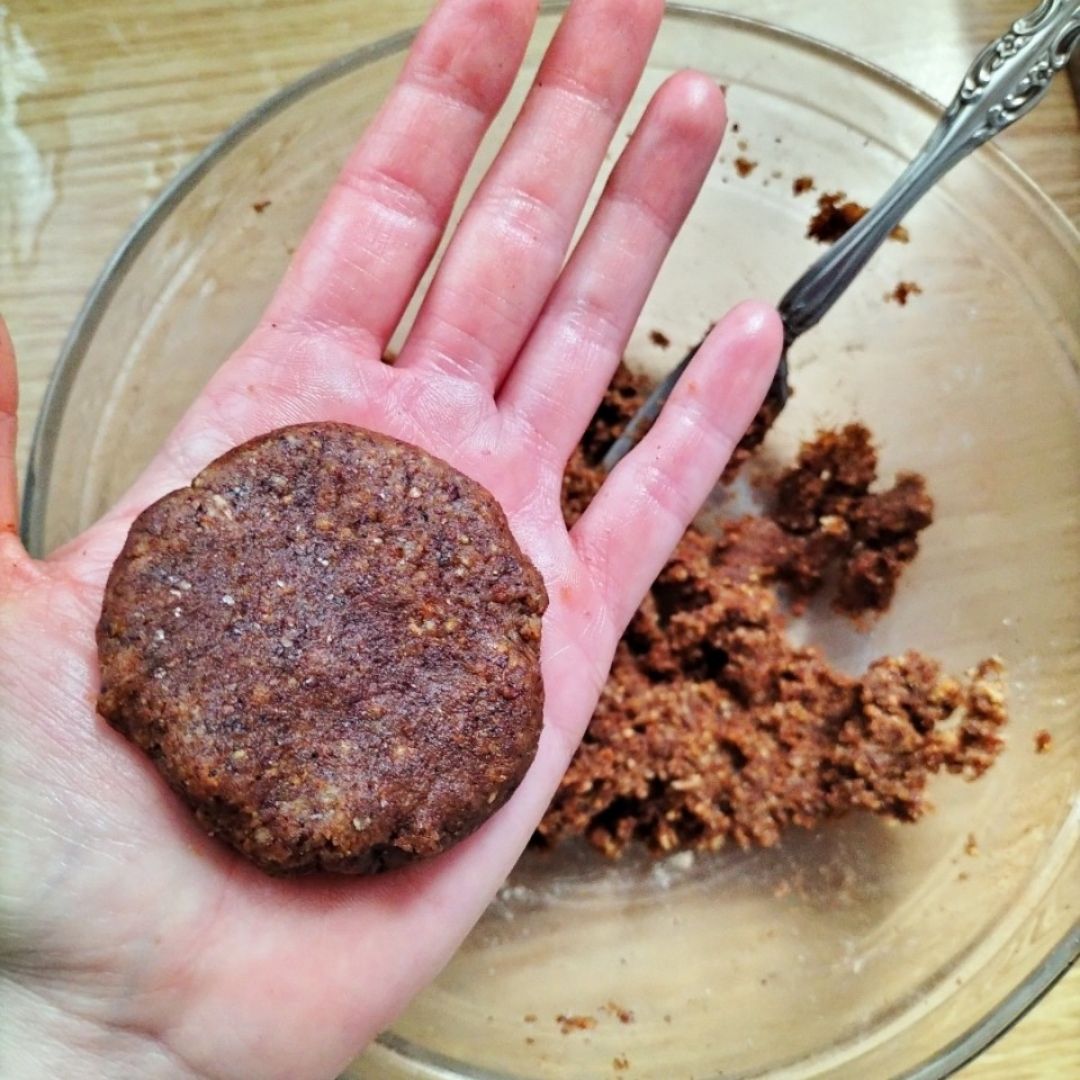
(330,646)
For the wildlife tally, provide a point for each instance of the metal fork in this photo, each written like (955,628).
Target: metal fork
(1005,82)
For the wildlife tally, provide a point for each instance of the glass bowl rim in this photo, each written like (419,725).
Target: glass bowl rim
(1000,1017)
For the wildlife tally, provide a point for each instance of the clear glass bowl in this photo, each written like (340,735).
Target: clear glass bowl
(900,954)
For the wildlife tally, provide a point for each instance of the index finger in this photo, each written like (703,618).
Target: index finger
(363,257)
(643,508)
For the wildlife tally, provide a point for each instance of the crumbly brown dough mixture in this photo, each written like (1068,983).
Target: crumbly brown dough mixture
(329,645)
(836,214)
(827,517)
(714,726)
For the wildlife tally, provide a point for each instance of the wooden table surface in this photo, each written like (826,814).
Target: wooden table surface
(101,103)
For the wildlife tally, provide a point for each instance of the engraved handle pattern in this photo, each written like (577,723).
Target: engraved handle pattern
(1005,82)
(1049,55)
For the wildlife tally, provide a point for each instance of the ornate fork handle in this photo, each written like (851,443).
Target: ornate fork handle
(1005,82)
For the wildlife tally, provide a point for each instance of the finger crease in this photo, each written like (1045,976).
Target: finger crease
(565,85)
(592,321)
(637,204)
(391,193)
(661,490)
(358,339)
(450,89)
(539,439)
(460,361)
(527,217)
(700,417)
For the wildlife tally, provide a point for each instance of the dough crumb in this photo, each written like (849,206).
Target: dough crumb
(836,214)
(569,1023)
(903,292)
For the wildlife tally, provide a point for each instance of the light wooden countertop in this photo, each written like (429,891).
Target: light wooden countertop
(101,103)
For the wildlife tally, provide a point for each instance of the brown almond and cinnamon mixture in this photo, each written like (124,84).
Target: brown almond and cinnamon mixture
(714,725)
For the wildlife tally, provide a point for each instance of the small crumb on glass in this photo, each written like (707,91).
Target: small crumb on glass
(836,214)
(624,1015)
(902,292)
(572,1022)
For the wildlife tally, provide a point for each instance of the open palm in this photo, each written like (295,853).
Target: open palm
(134,945)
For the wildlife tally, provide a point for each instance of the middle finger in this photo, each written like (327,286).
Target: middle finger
(510,246)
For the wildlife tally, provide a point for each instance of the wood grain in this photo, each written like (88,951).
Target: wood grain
(101,104)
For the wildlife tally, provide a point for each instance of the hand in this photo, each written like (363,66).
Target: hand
(128,935)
